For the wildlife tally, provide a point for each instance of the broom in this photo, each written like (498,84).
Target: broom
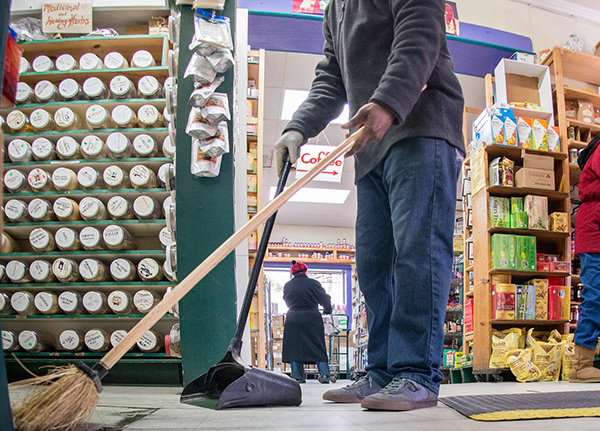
(68,395)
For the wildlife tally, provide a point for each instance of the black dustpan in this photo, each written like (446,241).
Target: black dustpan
(229,383)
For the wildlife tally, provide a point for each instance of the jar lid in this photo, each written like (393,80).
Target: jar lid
(16,119)
(148,341)
(89,237)
(42,148)
(142,58)
(148,85)
(38,208)
(39,238)
(118,301)
(67,146)
(8,340)
(167,114)
(113,175)
(68,88)
(122,115)
(13,179)
(93,86)
(37,178)
(114,60)
(65,238)
(24,91)
(113,235)
(169,82)
(65,62)
(68,301)
(69,339)
(89,61)
(15,209)
(144,206)
(167,204)
(120,85)
(63,268)
(28,340)
(144,300)
(87,176)
(117,336)
(90,206)
(140,175)
(117,143)
(63,207)
(24,66)
(167,147)
(148,268)
(40,118)
(18,149)
(121,269)
(148,114)
(117,206)
(92,300)
(64,117)
(144,144)
(92,145)
(44,301)
(62,177)
(44,90)
(94,339)
(165,237)
(42,63)
(168,270)
(21,301)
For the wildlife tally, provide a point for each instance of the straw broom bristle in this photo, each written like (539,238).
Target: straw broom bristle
(60,400)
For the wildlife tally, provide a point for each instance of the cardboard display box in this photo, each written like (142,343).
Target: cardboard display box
(535,179)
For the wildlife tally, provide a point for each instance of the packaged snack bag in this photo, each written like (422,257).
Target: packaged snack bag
(568,357)
(571,108)
(519,361)
(547,356)
(502,343)
(585,111)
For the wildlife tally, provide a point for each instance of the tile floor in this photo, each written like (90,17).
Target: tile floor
(135,408)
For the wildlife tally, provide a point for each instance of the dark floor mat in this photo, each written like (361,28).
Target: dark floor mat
(533,405)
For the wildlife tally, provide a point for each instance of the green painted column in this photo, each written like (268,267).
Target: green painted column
(205,219)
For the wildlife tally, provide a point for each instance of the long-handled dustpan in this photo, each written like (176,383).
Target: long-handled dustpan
(216,383)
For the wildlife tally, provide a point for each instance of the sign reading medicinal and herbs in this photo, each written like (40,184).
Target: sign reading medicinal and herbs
(67,16)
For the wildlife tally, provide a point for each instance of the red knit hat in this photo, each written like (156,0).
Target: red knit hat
(298,267)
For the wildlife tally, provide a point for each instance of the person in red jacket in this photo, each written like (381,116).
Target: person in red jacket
(587,247)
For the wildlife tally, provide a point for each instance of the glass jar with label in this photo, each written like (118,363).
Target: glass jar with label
(19,151)
(46,92)
(25,94)
(167,116)
(142,58)
(120,302)
(66,62)
(40,210)
(118,146)
(95,89)
(10,341)
(3,125)
(97,340)
(114,60)
(90,61)
(16,211)
(16,181)
(150,342)
(150,88)
(39,180)
(71,302)
(166,172)
(66,270)
(145,300)
(145,146)
(8,244)
(150,270)
(46,302)
(89,178)
(24,66)
(71,340)
(118,238)
(146,208)
(92,209)
(149,117)
(18,272)
(120,208)
(18,122)
(43,149)
(168,148)
(41,272)
(64,179)
(142,177)
(123,270)
(5,307)
(70,90)
(42,121)
(93,270)
(95,302)
(66,209)
(124,117)
(68,148)
(22,303)
(121,87)
(91,239)
(92,147)
(42,63)
(115,178)
(165,238)
(167,203)
(41,240)
(169,272)
(67,239)
(34,341)
(116,337)
(97,117)
(66,119)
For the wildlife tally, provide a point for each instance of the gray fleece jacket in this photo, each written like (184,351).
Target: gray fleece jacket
(385,51)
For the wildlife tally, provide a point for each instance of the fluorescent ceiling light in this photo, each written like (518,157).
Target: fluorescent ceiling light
(316,196)
(292,99)
(566,8)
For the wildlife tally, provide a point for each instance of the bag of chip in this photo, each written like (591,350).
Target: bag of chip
(519,361)
(534,336)
(568,358)
(502,343)
(547,356)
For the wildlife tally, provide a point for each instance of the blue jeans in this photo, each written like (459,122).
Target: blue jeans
(298,369)
(404,228)
(588,324)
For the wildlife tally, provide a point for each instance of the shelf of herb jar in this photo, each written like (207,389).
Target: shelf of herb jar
(161,73)
(135,227)
(317,249)
(81,316)
(515,153)
(153,163)
(311,260)
(105,256)
(522,191)
(131,133)
(67,355)
(102,285)
(99,193)
(579,145)
(80,106)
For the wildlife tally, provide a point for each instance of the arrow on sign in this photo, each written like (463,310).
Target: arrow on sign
(324,172)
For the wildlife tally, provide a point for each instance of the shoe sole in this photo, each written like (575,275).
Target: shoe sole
(347,399)
(395,405)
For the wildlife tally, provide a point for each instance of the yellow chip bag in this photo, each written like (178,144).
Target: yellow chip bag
(568,358)
(502,343)
(519,361)
(545,336)
(546,356)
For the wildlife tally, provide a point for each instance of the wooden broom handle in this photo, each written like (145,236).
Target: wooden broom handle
(158,312)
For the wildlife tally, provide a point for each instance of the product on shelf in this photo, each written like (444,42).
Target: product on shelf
(142,177)
(46,92)
(123,270)
(149,87)
(18,122)
(95,89)
(169,271)
(66,62)
(66,270)
(71,302)
(42,121)
(146,208)
(67,239)
(70,90)
(90,61)
(8,244)
(25,94)
(115,178)
(142,58)
(150,270)
(64,179)
(68,148)
(115,60)
(122,88)
(92,147)
(23,303)
(117,336)
(71,340)
(93,270)
(18,272)
(123,117)
(65,119)
(40,210)
(24,66)
(168,147)
(5,307)
(165,238)
(97,117)
(41,271)
(95,302)
(42,63)
(43,149)
(145,300)
(66,209)
(118,238)
(120,208)
(536,208)
(166,176)
(150,342)
(149,117)
(92,208)
(39,180)
(10,341)
(558,222)
(97,340)
(89,178)
(41,240)
(3,276)
(19,151)
(15,181)
(46,302)
(118,146)
(145,146)
(120,302)
(34,341)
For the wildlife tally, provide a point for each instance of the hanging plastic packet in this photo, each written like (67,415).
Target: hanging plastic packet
(210,29)
(217,145)
(209,4)
(200,70)
(216,108)
(202,164)
(173,346)
(199,127)
(221,60)
(202,48)
(201,94)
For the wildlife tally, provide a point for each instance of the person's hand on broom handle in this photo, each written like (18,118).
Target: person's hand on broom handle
(113,356)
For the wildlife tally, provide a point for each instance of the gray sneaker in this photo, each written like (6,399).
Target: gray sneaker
(401,394)
(354,392)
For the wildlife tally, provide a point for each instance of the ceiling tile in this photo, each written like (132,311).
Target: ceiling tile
(275,68)
(300,70)
(273,103)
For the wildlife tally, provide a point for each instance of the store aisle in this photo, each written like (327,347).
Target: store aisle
(158,408)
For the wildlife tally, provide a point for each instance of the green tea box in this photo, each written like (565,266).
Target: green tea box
(503,251)
(499,212)
(526,253)
(536,208)
(518,220)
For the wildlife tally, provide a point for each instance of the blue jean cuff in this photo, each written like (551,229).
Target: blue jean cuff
(420,380)
(382,378)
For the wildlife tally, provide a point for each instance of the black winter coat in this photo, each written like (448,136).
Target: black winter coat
(303,334)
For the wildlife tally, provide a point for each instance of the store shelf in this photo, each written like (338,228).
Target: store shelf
(576,65)
(101,133)
(579,145)
(82,316)
(317,249)
(515,153)
(528,322)
(50,355)
(80,106)
(538,233)
(148,161)
(583,125)
(522,191)
(161,73)
(135,227)
(107,285)
(533,274)
(104,255)
(100,194)
(289,259)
